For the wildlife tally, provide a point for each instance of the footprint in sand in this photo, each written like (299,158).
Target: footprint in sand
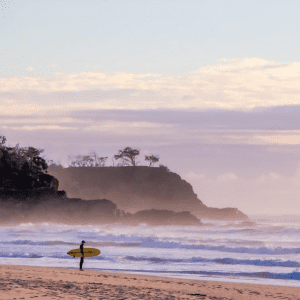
(254,292)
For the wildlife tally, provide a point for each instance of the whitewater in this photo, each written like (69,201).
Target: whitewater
(261,252)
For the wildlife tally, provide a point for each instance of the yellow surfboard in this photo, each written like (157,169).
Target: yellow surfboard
(88,252)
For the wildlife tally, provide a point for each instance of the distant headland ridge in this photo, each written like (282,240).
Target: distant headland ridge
(126,194)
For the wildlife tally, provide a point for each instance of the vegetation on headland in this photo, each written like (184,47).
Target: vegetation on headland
(125,157)
(23,168)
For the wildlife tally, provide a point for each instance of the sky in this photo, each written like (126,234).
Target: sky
(212,87)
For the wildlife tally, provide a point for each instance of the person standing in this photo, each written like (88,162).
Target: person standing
(82,257)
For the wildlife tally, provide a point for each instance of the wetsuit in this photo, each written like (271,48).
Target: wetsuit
(81,258)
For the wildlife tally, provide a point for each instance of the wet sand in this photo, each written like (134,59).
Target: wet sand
(25,282)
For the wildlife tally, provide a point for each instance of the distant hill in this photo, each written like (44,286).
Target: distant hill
(54,207)
(138,188)
(161,217)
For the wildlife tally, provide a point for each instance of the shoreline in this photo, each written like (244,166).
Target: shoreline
(28,282)
(172,275)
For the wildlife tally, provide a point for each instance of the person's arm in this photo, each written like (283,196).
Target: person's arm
(81,249)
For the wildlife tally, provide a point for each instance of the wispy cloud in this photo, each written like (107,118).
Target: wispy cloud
(257,127)
(229,84)
(38,128)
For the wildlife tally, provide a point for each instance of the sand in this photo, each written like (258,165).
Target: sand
(25,282)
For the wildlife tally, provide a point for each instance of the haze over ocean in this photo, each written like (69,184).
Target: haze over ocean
(212,87)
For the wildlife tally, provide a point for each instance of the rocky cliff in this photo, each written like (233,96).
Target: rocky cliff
(139,188)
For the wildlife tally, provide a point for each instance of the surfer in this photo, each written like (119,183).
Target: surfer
(82,257)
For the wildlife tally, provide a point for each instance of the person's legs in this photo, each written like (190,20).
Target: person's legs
(81,262)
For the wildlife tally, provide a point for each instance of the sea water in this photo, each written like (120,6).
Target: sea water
(263,252)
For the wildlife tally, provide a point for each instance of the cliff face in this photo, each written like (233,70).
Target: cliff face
(134,189)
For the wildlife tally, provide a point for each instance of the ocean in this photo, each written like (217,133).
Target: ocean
(262,251)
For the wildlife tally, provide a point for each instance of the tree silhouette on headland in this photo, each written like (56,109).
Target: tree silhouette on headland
(23,168)
(128,156)
(91,160)
(152,159)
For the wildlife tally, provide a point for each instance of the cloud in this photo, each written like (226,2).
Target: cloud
(230,103)
(234,65)
(30,69)
(241,84)
(118,128)
(227,177)
(38,128)
(282,137)
(200,127)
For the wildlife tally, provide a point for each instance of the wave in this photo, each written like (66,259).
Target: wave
(165,244)
(232,275)
(247,250)
(223,261)
(19,254)
(39,243)
(62,243)
(266,275)
(162,260)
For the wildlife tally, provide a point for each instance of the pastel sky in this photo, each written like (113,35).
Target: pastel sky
(212,87)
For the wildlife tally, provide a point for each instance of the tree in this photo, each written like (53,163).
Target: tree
(81,161)
(152,159)
(164,168)
(91,160)
(128,156)
(52,163)
(98,161)
(2,140)
(20,167)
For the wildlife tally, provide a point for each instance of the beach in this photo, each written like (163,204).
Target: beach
(27,282)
